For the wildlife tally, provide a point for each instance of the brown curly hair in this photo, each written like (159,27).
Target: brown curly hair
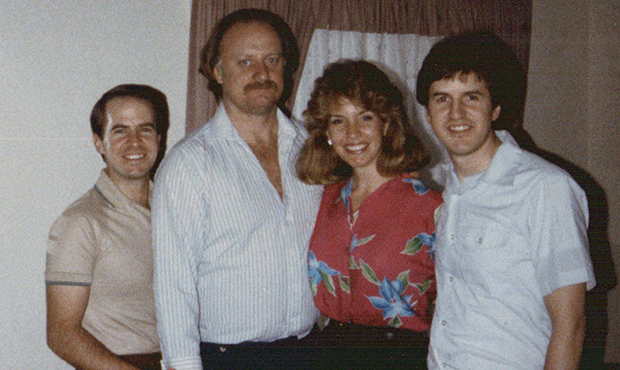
(361,82)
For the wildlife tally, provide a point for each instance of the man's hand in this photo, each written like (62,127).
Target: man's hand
(566,309)
(66,305)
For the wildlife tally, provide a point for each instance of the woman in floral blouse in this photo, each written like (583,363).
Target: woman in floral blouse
(370,263)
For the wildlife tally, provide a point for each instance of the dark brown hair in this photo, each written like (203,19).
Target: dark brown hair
(360,82)
(490,58)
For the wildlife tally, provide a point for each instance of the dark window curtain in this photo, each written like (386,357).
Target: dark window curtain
(510,19)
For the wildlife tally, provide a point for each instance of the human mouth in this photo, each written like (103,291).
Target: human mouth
(355,148)
(133,157)
(459,128)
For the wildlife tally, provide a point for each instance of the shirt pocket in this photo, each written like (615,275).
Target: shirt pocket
(495,256)
(485,236)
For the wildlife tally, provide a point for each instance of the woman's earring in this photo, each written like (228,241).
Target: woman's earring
(329,141)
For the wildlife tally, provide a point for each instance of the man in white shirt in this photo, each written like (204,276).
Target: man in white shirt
(512,251)
(231,221)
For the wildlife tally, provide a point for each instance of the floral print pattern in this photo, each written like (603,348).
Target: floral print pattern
(375,266)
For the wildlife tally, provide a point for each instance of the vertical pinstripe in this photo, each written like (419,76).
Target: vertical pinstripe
(230,255)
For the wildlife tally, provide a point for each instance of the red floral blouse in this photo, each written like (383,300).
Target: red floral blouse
(375,267)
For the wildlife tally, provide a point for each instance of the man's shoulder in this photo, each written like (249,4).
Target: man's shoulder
(518,161)
(298,126)
(89,205)
(80,217)
(537,168)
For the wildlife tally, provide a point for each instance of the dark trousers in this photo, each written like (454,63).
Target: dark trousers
(350,346)
(148,361)
(289,353)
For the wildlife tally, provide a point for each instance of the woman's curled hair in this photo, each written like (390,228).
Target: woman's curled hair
(363,83)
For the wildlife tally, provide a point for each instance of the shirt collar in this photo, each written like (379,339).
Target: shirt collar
(506,159)
(113,195)
(224,128)
(500,171)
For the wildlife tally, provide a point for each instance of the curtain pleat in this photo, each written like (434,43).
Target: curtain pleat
(510,19)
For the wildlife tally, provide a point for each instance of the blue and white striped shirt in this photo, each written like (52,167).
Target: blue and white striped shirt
(230,254)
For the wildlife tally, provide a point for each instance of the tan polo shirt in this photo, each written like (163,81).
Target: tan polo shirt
(103,240)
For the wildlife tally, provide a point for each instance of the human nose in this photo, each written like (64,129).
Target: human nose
(456,109)
(134,138)
(352,130)
(261,71)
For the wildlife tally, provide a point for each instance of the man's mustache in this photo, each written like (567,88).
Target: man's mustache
(261,86)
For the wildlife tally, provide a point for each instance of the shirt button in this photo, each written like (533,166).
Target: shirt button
(451,236)
(443,323)
(479,240)
(451,279)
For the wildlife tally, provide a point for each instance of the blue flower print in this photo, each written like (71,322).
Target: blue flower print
(345,193)
(432,246)
(392,302)
(319,271)
(418,186)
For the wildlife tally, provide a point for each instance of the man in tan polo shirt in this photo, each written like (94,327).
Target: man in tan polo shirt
(99,269)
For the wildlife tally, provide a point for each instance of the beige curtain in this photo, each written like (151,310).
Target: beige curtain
(511,19)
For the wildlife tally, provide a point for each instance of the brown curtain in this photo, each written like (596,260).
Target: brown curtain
(510,19)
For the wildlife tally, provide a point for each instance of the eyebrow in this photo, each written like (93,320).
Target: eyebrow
(468,92)
(145,124)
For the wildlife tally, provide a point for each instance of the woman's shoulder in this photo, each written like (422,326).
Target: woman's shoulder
(414,185)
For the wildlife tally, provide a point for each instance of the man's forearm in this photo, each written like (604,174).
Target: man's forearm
(564,350)
(80,349)
(566,309)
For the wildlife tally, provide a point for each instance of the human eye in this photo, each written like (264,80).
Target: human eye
(473,97)
(118,130)
(368,117)
(148,129)
(335,121)
(244,62)
(439,98)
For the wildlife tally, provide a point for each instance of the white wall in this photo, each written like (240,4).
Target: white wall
(56,59)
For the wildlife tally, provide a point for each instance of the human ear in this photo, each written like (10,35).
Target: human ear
(217,72)
(98,141)
(495,113)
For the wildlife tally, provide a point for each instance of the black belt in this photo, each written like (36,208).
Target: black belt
(340,334)
(285,342)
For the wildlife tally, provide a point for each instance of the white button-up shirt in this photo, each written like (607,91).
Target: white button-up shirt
(230,254)
(505,239)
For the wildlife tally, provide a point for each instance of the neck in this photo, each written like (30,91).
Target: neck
(254,127)
(138,190)
(478,161)
(365,183)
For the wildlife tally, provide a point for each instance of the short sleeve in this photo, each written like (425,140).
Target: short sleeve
(558,230)
(71,252)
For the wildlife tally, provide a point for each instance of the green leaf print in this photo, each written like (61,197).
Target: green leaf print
(352,264)
(424,286)
(403,277)
(329,282)
(369,273)
(395,322)
(413,246)
(344,284)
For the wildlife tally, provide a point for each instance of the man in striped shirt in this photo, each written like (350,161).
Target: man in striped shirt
(231,221)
